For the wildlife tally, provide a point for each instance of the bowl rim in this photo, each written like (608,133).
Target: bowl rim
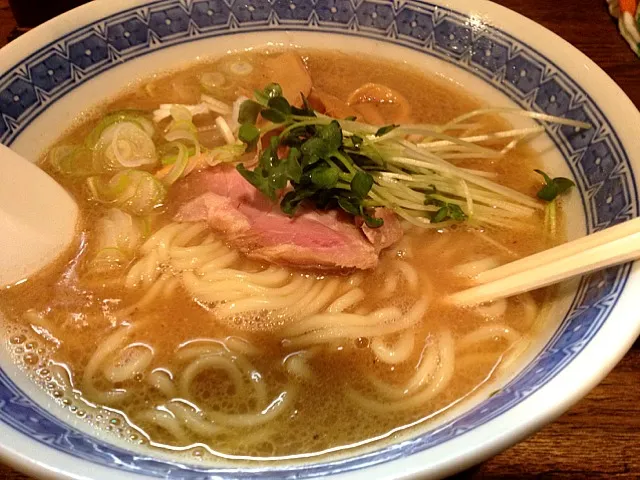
(575,378)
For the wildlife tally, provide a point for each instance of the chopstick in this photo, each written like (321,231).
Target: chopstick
(611,246)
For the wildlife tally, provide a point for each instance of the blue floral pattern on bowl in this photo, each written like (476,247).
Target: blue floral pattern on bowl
(595,157)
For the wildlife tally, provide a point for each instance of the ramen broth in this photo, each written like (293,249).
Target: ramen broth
(175,375)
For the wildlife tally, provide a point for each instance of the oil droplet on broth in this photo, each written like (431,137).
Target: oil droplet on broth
(17,339)
(197,452)
(31,358)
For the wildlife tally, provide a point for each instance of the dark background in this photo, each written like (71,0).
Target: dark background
(599,438)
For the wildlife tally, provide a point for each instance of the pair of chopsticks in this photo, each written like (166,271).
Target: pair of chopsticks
(611,246)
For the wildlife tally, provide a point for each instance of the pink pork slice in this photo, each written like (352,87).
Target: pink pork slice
(254,225)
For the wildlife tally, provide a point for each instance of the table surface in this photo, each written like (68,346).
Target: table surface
(600,436)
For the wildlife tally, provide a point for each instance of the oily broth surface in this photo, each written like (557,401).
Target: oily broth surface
(79,309)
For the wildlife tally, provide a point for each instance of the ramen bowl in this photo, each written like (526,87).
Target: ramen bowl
(59,70)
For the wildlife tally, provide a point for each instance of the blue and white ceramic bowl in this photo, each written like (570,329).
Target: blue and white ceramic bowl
(50,75)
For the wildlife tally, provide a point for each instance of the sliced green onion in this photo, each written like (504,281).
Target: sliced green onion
(164,110)
(118,236)
(179,165)
(124,145)
(134,116)
(73,160)
(212,82)
(182,127)
(180,113)
(241,68)
(169,154)
(224,154)
(134,191)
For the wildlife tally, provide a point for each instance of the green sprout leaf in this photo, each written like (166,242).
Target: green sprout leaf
(447,210)
(305,111)
(249,134)
(280,104)
(553,187)
(249,111)
(263,96)
(348,206)
(325,176)
(273,90)
(332,135)
(371,221)
(356,141)
(314,148)
(386,129)
(563,184)
(292,165)
(361,184)
(273,115)
(257,179)
(291,201)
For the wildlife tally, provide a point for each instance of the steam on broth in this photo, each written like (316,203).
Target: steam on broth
(175,335)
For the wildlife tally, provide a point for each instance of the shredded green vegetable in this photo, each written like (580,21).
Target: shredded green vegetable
(355,167)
